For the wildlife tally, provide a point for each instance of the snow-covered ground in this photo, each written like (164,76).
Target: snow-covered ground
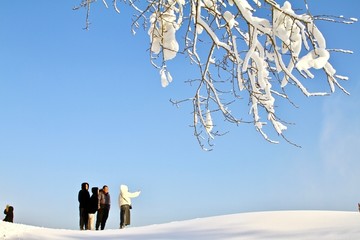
(287,225)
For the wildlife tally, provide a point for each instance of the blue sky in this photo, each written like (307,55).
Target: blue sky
(88,106)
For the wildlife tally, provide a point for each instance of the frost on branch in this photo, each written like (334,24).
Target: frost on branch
(246,51)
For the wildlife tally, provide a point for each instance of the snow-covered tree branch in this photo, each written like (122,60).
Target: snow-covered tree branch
(243,49)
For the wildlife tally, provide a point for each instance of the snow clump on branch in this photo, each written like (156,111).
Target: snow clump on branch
(240,53)
(274,50)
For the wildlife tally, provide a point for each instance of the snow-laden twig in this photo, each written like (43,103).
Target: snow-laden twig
(240,54)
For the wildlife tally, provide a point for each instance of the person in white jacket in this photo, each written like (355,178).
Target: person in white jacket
(125,204)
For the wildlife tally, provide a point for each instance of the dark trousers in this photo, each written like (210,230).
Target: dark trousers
(102,216)
(124,215)
(83,219)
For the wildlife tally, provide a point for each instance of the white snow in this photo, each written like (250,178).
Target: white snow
(284,42)
(209,123)
(289,225)
(230,19)
(314,59)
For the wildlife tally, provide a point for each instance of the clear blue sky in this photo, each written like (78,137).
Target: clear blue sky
(88,106)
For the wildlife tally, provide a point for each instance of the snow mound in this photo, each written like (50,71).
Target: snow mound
(257,225)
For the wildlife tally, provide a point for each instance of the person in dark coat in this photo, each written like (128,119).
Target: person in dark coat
(9,214)
(104,208)
(83,198)
(93,207)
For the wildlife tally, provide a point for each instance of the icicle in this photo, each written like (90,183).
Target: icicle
(105,4)
(164,80)
(195,118)
(169,77)
(209,122)
(115,6)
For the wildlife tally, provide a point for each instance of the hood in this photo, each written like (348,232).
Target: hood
(124,188)
(95,190)
(83,185)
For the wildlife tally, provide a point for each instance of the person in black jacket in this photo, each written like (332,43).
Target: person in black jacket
(9,214)
(83,198)
(93,207)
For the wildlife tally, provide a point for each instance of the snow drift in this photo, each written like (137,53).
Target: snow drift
(259,225)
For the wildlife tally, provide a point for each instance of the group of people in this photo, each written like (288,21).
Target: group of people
(9,214)
(99,202)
